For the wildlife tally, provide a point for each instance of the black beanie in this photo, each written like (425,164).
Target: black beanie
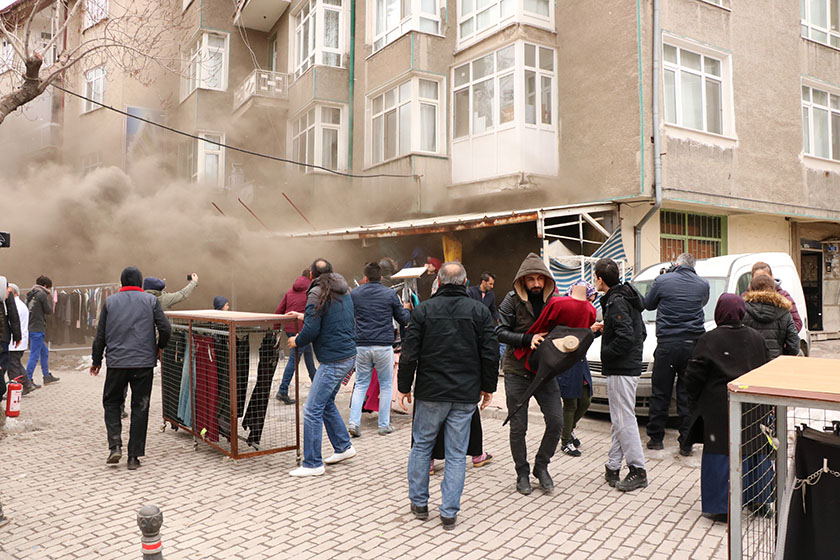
(131,276)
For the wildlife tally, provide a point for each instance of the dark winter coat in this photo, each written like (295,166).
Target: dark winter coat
(624,331)
(126,330)
(451,345)
(376,308)
(39,304)
(516,314)
(678,297)
(9,320)
(489,300)
(331,330)
(720,356)
(294,300)
(769,314)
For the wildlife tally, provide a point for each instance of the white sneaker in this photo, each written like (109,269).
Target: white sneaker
(339,457)
(308,471)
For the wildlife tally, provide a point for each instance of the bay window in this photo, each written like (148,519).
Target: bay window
(477,18)
(316,137)
(820,123)
(318,35)
(207,65)
(820,21)
(393,18)
(95,11)
(405,119)
(94,89)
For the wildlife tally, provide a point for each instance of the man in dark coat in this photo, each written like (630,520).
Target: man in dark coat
(9,328)
(532,288)
(126,334)
(678,297)
(451,345)
(39,302)
(485,294)
(294,300)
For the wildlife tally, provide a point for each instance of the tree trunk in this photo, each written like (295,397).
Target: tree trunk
(31,88)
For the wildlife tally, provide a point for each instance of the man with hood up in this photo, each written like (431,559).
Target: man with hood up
(532,288)
(126,332)
(294,300)
(621,359)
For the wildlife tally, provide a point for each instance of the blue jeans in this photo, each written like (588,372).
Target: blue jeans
(367,358)
(38,350)
(320,412)
(429,416)
(289,372)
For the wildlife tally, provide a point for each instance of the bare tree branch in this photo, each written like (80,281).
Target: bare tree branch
(27,28)
(73,11)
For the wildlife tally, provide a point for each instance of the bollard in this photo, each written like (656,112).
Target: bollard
(150,519)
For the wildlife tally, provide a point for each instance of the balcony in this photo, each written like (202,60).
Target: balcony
(259,14)
(261,84)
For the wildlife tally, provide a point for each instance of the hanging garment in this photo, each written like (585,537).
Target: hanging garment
(254,418)
(171,368)
(187,381)
(206,388)
(223,371)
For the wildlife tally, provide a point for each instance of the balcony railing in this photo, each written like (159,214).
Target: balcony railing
(261,83)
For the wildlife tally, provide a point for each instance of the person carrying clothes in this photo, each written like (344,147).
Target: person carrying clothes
(16,369)
(132,332)
(621,361)
(532,289)
(678,297)
(376,308)
(720,356)
(221,303)
(485,294)
(764,268)
(10,330)
(329,325)
(768,312)
(39,303)
(294,300)
(155,286)
(451,347)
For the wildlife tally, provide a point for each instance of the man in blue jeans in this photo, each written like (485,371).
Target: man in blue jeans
(328,324)
(39,303)
(376,308)
(295,301)
(451,345)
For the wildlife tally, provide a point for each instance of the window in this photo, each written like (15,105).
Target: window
(207,164)
(90,162)
(820,123)
(405,119)
(318,35)
(484,90)
(94,88)
(701,235)
(207,64)
(820,21)
(316,137)
(393,18)
(693,90)
(721,3)
(272,54)
(476,18)
(95,11)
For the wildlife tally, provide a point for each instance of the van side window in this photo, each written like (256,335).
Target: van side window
(743,283)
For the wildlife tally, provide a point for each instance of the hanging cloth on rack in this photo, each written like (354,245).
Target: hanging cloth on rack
(185,395)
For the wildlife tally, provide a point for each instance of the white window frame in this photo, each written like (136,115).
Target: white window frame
(309,45)
(414,15)
(95,11)
(828,102)
(724,61)
(828,34)
(90,162)
(500,13)
(203,149)
(198,63)
(185,4)
(94,76)
(519,71)
(312,122)
(404,98)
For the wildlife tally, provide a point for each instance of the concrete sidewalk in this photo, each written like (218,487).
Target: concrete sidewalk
(64,502)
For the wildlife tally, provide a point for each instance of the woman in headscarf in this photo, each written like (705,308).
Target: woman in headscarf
(721,355)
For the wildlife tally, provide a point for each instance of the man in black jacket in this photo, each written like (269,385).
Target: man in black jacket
(451,345)
(678,297)
(532,288)
(621,362)
(126,330)
(40,304)
(485,294)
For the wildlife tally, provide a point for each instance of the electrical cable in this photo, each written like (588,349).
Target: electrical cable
(235,148)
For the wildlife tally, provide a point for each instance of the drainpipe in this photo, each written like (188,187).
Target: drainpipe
(657,155)
(351,85)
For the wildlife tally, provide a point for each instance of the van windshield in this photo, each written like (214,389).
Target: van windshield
(717,286)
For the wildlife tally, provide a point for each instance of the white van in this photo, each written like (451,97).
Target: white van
(728,274)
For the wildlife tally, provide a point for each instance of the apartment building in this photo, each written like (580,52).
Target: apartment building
(444,107)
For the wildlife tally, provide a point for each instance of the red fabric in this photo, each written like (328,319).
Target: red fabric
(372,395)
(566,311)
(131,289)
(206,388)
(294,300)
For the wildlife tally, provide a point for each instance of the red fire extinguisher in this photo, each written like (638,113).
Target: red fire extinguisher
(13,394)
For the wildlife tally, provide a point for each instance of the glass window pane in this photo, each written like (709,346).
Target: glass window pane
(482,106)
(405,128)
(310,146)
(670,53)
(486,18)
(481,4)
(466,7)
(505,58)
(545,99)
(329,148)
(820,97)
(427,6)
(213,70)
(380,17)
(714,109)
(429,25)
(537,7)
(428,127)
(331,28)
(530,97)
(462,75)
(428,89)
(462,113)
(806,132)
(405,92)
(211,168)
(806,93)
(670,96)
(821,133)
(506,103)
(690,60)
(377,139)
(835,14)
(390,96)
(216,41)
(692,100)
(530,55)
(712,66)
(835,102)
(377,104)
(482,67)
(467,28)
(820,36)
(546,59)
(818,13)
(835,136)
(310,116)
(390,134)
(506,8)
(331,115)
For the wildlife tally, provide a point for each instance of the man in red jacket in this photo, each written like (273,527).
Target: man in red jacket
(295,300)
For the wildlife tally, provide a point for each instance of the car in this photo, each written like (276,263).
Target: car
(727,274)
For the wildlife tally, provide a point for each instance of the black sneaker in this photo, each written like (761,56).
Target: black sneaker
(652,444)
(114,456)
(612,476)
(575,440)
(545,480)
(123,414)
(448,522)
(27,389)
(133,463)
(51,379)
(686,450)
(571,449)
(635,479)
(523,484)
(286,399)
(717,517)
(420,512)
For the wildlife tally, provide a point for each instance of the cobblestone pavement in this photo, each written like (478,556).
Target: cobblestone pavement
(64,502)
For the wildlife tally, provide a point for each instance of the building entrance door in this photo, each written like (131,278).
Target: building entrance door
(812,288)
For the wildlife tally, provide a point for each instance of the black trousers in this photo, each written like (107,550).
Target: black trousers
(669,361)
(116,381)
(548,397)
